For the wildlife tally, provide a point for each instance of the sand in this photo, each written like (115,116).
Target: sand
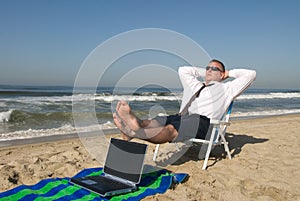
(265,163)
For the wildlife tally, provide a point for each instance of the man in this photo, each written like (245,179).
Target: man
(212,103)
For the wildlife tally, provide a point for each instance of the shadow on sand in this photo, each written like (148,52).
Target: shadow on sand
(235,142)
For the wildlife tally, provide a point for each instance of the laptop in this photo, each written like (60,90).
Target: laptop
(122,170)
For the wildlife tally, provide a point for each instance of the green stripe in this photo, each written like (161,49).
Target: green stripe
(69,190)
(25,192)
(96,173)
(141,190)
(88,197)
(64,192)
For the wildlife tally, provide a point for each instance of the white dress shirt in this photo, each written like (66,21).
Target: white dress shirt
(213,100)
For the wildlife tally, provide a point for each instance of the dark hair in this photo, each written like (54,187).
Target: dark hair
(221,63)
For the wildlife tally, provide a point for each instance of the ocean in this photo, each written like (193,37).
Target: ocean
(29,112)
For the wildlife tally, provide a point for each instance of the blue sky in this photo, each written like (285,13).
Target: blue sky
(46,42)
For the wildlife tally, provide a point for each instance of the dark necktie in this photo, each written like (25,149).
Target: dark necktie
(186,107)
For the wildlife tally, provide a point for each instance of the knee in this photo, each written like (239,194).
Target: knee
(173,132)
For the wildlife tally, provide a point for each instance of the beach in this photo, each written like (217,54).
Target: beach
(265,163)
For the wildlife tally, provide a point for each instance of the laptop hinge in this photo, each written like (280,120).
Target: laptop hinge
(124,181)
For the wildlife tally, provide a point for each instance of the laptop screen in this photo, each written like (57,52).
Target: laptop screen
(125,159)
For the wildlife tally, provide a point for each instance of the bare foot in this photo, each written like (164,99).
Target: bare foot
(127,116)
(118,123)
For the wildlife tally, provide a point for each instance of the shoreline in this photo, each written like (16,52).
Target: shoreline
(264,163)
(53,138)
(74,135)
(261,117)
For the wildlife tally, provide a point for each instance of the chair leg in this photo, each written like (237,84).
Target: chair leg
(177,147)
(207,156)
(209,149)
(155,152)
(226,146)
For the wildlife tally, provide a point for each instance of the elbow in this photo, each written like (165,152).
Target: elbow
(181,69)
(253,74)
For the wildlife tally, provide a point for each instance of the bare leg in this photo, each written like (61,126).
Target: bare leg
(157,135)
(148,130)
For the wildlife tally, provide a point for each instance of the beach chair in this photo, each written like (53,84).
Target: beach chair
(215,136)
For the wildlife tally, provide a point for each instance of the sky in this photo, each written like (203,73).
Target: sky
(47,42)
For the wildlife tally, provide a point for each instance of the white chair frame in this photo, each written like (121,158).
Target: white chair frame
(216,133)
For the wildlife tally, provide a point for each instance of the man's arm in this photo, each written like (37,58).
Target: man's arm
(243,78)
(189,77)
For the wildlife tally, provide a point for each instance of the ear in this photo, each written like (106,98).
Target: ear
(224,75)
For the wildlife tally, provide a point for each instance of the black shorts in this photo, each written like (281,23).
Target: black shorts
(187,126)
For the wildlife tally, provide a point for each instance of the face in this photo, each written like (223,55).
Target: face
(215,74)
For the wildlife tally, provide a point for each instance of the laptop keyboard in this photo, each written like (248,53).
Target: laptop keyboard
(109,182)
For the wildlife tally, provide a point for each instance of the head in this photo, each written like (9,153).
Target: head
(215,71)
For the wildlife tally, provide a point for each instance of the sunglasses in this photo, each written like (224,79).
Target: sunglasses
(213,68)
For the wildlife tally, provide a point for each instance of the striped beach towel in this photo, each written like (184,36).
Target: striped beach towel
(60,188)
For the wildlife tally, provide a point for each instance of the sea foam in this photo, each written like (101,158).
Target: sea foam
(5,116)
(63,130)
(269,96)
(265,113)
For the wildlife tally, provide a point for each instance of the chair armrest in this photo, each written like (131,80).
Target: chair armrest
(218,122)
(196,140)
